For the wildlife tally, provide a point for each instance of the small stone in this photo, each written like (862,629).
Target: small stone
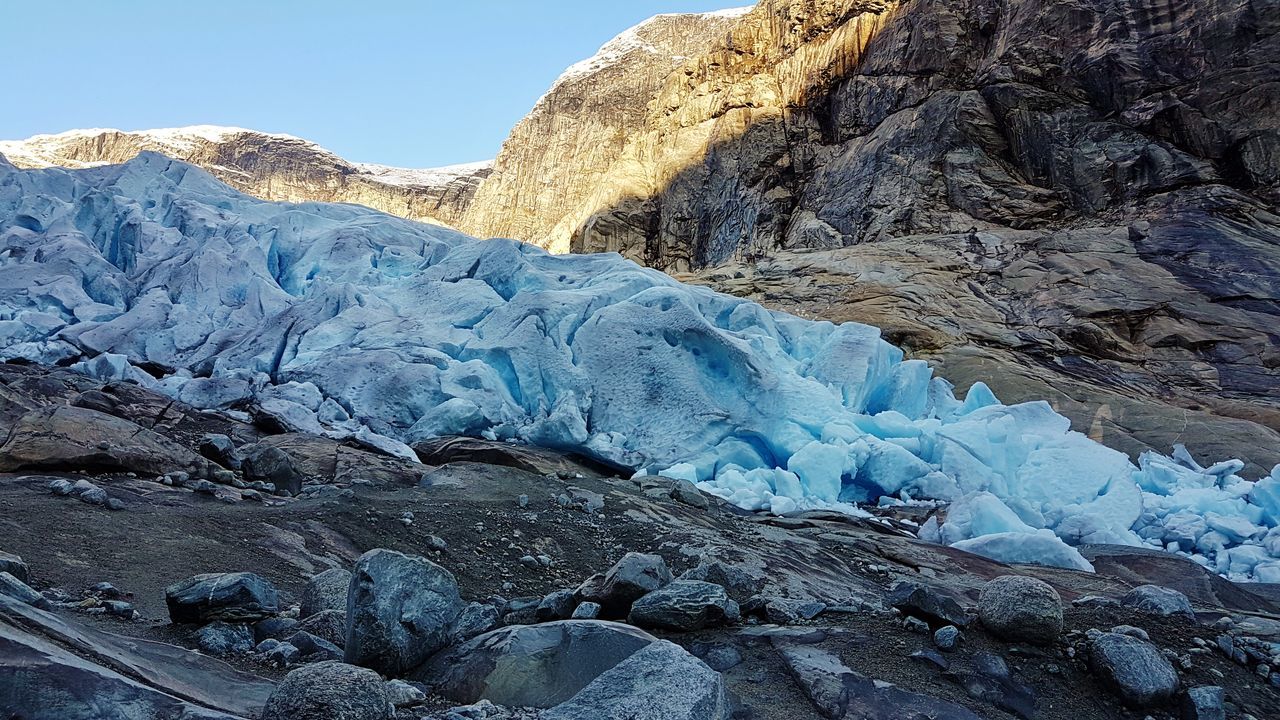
(558,605)
(1131,631)
(947,638)
(283,655)
(523,501)
(402,694)
(437,543)
(916,625)
(530,562)
(927,602)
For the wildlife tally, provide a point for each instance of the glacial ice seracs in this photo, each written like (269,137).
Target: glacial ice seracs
(345,321)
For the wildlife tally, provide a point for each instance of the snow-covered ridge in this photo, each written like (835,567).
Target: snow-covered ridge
(427,177)
(51,150)
(631,41)
(342,320)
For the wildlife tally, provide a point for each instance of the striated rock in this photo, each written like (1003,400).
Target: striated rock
(231,597)
(1134,669)
(1158,600)
(658,682)
(684,606)
(267,165)
(1016,607)
(109,677)
(532,665)
(11,586)
(74,437)
(329,691)
(400,610)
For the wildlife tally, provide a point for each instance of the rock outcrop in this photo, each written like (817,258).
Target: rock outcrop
(267,165)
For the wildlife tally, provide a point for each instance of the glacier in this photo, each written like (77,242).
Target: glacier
(344,321)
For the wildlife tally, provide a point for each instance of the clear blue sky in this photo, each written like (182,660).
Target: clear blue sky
(398,82)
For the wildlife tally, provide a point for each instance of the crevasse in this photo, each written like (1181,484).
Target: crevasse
(346,321)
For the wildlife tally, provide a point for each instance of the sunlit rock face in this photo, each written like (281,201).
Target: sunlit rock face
(267,165)
(576,135)
(1072,201)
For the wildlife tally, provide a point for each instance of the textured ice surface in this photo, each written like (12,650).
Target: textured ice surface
(342,320)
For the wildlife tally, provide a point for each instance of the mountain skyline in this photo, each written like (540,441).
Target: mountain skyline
(420,94)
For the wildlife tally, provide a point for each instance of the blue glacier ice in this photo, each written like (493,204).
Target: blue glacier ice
(344,321)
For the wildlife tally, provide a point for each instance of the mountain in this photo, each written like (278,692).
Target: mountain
(576,133)
(267,165)
(1074,201)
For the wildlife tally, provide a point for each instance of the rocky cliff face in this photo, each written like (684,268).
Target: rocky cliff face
(1076,199)
(575,136)
(269,166)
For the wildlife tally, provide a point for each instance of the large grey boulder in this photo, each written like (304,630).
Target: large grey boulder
(635,575)
(233,597)
(1015,607)
(325,591)
(400,609)
(1158,600)
(683,605)
(661,681)
(1133,668)
(532,665)
(330,691)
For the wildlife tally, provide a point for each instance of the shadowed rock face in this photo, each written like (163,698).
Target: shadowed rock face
(1067,200)
(268,166)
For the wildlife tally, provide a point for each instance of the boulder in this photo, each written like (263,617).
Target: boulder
(314,648)
(221,639)
(627,581)
(274,628)
(1203,702)
(476,618)
(686,492)
(400,610)
(684,606)
(61,436)
(14,565)
(1015,607)
(402,694)
(1134,669)
(232,597)
(739,582)
(330,691)
(11,586)
(328,625)
(266,463)
(658,682)
(558,605)
(532,665)
(220,449)
(927,602)
(586,611)
(325,591)
(1158,600)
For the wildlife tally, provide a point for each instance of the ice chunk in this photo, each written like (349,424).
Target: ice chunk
(1038,548)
